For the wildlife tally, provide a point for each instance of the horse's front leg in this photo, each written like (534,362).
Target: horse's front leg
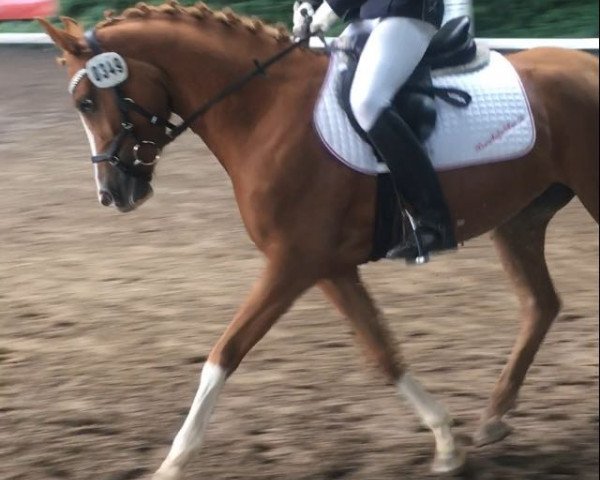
(348,293)
(272,295)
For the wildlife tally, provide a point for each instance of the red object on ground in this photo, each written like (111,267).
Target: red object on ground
(27,9)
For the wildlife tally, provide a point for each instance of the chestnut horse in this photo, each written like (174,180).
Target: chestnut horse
(311,216)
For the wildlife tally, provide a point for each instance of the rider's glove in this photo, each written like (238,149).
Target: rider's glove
(303,12)
(323,19)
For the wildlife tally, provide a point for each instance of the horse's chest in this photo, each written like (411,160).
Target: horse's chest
(260,212)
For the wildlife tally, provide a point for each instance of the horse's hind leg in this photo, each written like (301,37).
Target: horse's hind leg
(351,297)
(520,244)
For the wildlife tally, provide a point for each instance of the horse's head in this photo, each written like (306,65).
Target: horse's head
(123,104)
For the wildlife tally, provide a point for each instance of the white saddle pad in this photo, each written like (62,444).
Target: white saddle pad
(497,125)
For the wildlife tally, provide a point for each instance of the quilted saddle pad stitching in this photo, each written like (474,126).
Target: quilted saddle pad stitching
(339,137)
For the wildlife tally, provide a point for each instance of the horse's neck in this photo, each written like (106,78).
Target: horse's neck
(199,63)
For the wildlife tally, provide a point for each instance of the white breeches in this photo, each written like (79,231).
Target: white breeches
(391,54)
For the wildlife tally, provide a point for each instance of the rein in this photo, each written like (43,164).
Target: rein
(260,70)
(127,105)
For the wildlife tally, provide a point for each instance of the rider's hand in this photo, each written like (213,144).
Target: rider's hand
(303,12)
(323,19)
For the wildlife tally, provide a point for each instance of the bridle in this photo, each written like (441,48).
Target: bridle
(127,105)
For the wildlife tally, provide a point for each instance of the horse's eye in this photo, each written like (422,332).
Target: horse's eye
(86,105)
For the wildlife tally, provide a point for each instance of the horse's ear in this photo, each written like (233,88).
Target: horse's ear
(63,39)
(72,27)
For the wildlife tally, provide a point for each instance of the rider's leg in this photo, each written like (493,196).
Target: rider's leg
(391,54)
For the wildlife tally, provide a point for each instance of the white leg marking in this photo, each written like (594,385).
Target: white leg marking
(435,416)
(190,436)
(94,150)
(430,411)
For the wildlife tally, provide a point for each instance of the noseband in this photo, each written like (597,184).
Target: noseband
(126,105)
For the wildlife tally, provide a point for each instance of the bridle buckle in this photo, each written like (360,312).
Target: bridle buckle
(145,144)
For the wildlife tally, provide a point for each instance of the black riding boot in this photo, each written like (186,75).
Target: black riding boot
(416,182)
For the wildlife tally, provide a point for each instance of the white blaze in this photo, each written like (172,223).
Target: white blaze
(94,150)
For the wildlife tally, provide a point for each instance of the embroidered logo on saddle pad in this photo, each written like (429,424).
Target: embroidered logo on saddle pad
(498,124)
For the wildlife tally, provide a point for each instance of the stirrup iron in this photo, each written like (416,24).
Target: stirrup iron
(422,256)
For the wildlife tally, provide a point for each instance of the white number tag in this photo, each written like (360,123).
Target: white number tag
(107,70)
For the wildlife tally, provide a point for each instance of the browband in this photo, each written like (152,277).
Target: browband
(78,77)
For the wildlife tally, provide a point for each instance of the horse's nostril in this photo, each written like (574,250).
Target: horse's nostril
(106,198)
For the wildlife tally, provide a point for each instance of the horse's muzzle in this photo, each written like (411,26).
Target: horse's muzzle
(141,192)
(128,196)
(105,198)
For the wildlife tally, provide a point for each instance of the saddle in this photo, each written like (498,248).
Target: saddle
(497,125)
(452,46)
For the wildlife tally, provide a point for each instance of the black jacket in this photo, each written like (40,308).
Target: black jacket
(431,11)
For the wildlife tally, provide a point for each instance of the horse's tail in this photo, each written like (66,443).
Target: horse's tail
(589,195)
(592,83)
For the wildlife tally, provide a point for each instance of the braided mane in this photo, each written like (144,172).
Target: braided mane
(200,12)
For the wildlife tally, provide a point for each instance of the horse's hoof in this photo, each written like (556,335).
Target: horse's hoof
(449,463)
(169,473)
(491,432)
